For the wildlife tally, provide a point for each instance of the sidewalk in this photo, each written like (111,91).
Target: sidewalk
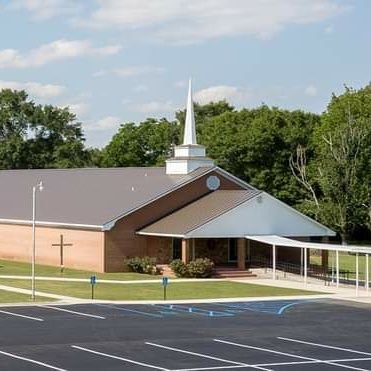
(342,292)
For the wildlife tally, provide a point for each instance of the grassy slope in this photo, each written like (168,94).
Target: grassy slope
(13,297)
(154,291)
(346,262)
(24,269)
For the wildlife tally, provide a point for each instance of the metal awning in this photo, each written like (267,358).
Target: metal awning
(288,242)
(277,241)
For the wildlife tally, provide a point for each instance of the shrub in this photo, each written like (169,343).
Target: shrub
(200,268)
(147,264)
(179,268)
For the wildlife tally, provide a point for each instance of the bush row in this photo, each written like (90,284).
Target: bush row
(199,268)
(146,264)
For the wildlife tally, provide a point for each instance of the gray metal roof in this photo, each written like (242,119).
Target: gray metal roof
(198,213)
(89,197)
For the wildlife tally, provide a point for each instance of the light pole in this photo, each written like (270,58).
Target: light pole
(38,187)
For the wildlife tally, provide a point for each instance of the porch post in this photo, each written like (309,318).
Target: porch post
(274,261)
(324,259)
(305,265)
(357,273)
(241,253)
(185,251)
(367,274)
(337,268)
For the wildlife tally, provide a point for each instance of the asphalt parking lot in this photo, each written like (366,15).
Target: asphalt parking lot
(274,335)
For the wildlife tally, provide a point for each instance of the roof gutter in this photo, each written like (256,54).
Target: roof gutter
(52,224)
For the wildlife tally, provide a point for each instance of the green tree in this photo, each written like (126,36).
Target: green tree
(338,177)
(146,144)
(343,150)
(256,144)
(36,136)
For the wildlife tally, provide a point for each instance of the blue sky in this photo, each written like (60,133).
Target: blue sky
(115,61)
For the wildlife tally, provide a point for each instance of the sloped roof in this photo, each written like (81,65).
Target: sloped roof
(89,197)
(198,213)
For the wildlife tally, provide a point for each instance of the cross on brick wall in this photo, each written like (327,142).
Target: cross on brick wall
(62,245)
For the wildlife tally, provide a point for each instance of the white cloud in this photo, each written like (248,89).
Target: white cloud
(54,51)
(131,71)
(141,88)
(189,21)
(155,107)
(100,73)
(232,94)
(329,30)
(45,9)
(34,88)
(311,91)
(79,109)
(106,123)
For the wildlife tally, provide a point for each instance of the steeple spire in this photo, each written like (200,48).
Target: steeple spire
(190,126)
(188,156)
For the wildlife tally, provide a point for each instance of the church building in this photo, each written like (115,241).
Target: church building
(188,209)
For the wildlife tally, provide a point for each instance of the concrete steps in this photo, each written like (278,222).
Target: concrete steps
(232,273)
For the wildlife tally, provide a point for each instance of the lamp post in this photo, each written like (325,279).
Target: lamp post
(38,187)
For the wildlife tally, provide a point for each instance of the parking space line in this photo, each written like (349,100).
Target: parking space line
(324,346)
(21,316)
(46,365)
(119,358)
(71,311)
(272,364)
(131,310)
(206,356)
(329,362)
(195,310)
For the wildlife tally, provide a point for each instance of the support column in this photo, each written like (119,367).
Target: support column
(185,251)
(366,273)
(305,265)
(357,273)
(274,261)
(241,253)
(337,268)
(324,259)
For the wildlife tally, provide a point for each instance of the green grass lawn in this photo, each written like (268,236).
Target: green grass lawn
(347,262)
(24,269)
(154,291)
(14,297)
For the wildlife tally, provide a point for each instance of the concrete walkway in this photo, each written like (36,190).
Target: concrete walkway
(341,293)
(99,280)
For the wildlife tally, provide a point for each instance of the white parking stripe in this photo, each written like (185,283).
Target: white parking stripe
(71,311)
(207,356)
(273,364)
(309,362)
(290,355)
(46,365)
(119,358)
(21,315)
(325,346)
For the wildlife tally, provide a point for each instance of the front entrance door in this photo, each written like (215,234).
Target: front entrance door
(232,250)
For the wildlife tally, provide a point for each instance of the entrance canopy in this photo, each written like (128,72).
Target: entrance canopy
(288,242)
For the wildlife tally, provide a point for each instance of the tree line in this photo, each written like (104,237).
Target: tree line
(317,163)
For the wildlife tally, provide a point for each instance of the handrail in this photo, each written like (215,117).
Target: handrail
(313,270)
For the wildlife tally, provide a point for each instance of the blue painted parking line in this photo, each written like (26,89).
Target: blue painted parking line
(271,307)
(195,310)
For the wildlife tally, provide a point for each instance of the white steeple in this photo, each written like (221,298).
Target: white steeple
(190,125)
(189,155)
